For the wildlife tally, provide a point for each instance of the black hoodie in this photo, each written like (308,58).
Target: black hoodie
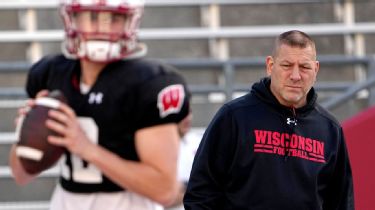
(257,154)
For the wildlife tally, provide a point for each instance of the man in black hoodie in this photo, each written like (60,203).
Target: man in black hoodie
(274,148)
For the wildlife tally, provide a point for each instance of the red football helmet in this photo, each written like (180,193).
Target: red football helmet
(101,30)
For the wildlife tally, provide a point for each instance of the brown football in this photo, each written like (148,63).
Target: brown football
(35,152)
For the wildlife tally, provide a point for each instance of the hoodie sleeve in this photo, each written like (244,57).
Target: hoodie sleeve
(340,195)
(212,162)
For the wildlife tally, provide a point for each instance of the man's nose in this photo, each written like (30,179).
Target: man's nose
(295,75)
(104,22)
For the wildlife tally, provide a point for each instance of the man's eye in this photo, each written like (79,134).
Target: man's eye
(306,67)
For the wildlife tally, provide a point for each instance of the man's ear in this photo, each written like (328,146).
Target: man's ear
(317,66)
(269,65)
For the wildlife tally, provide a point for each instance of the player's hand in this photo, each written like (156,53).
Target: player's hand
(65,122)
(26,108)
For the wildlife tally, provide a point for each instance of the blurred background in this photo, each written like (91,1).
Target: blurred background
(218,45)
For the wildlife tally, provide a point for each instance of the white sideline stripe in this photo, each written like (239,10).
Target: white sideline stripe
(26,205)
(29,153)
(52,172)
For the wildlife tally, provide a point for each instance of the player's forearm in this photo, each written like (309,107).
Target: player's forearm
(19,174)
(180,195)
(135,176)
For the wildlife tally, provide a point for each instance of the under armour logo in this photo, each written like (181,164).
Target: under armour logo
(95,98)
(291,121)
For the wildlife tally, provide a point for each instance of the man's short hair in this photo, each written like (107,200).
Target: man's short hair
(293,38)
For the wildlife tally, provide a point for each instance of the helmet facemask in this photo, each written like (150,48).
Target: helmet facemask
(100,33)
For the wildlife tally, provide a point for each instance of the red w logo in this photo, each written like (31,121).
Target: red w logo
(170,100)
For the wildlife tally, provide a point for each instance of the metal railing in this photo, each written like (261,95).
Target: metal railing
(210,30)
(228,69)
(354,89)
(204,32)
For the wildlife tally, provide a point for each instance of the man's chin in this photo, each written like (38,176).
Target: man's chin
(294,100)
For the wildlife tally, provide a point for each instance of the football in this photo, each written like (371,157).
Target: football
(36,154)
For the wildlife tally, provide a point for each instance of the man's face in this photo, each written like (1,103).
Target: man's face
(293,72)
(101,25)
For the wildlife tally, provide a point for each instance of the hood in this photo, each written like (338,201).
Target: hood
(262,90)
(289,115)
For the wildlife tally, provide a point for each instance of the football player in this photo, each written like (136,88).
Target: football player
(119,125)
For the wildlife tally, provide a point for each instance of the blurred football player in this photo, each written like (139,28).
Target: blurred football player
(120,123)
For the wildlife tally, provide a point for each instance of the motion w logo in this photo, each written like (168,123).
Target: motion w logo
(170,100)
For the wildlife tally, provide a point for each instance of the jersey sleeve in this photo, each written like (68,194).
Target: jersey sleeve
(162,99)
(37,77)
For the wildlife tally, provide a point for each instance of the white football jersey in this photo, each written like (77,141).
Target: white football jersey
(188,148)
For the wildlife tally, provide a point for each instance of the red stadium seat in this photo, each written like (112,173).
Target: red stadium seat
(360,138)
